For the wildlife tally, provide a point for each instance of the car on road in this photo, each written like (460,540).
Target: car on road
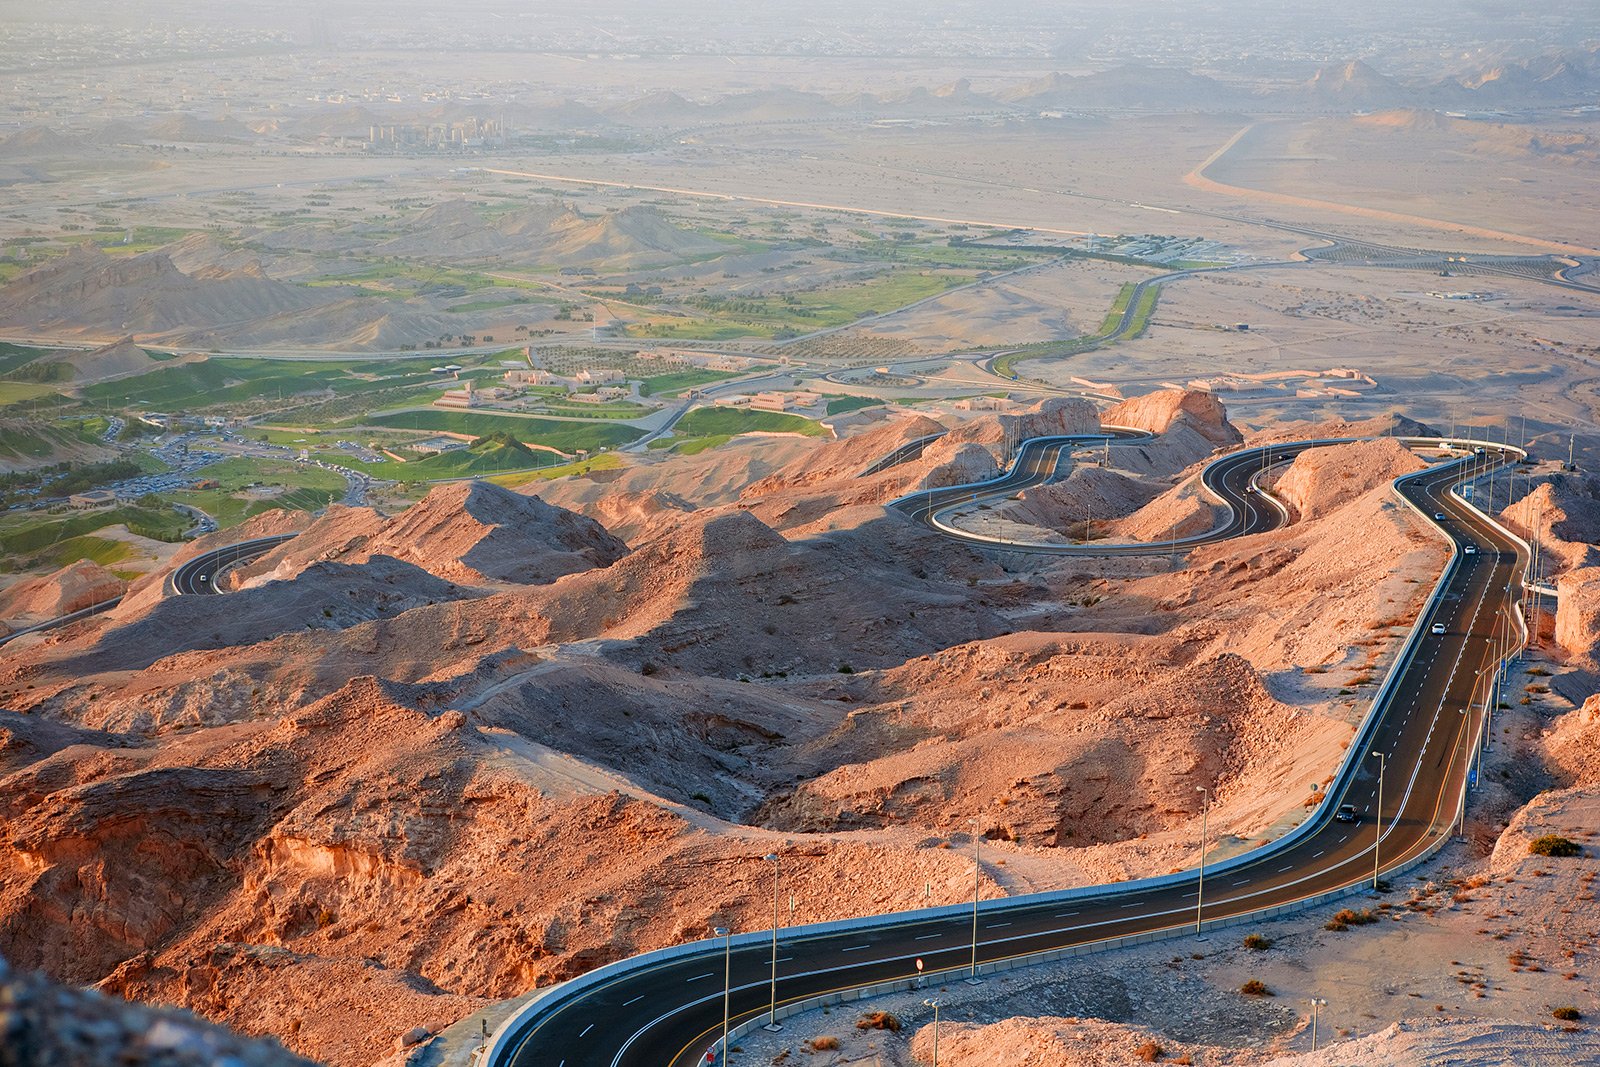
(1438,516)
(1471,550)
(1436,628)
(1346,813)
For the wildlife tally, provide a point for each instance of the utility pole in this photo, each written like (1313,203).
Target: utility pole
(772,1015)
(977,869)
(1200,893)
(1377,841)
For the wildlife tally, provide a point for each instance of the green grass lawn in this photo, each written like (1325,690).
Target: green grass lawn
(101,550)
(21,392)
(35,534)
(305,488)
(797,313)
(13,356)
(606,462)
(678,382)
(29,442)
(221,381)
(569,437)
(704,329)
(841,404)
(712,422)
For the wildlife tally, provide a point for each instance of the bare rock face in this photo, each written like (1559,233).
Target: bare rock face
(46,1025)
(467,532)
(1058,416)
(1159,412)
(1573,746)
(1323,479)
(1578,612)
(72,588)
(958,463)
(1564,514)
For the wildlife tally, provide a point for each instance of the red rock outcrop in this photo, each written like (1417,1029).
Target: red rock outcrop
(73,587)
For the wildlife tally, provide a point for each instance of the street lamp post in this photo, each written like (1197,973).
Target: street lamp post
(977,871)
(934,1004)
(1377,841)
(1200,895)
(727,981)
(1316,1002)
(772,1014)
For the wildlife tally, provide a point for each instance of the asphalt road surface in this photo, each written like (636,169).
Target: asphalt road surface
(198,576)
(1229,477)
(671,1013)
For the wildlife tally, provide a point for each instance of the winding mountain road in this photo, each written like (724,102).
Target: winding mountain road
(666,1007)
(198,576)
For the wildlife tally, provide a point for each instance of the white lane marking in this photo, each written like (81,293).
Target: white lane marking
(1314,855)
(1133,904)
(697,977)
(625,1003)
(585,1031)
(924,937)
(994,926)
(1288,868)
(854,948)
(1066,914)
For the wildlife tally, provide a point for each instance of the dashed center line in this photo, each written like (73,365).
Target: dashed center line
(585,1031)
(697,977)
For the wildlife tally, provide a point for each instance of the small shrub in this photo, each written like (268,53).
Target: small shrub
(1150,1052)
(878,1020)
(845,668)
(648,668)
(1567,1014)
(825,1043)
(701,797)
(1255,988)
(1347,917)
(1554,845)
(1256,942)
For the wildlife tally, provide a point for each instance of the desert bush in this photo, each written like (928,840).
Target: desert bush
(878,1020)
(1554,845)
(1567,1014)
(825,1043)
(1255,988)
(1257,942)
(1150,1052)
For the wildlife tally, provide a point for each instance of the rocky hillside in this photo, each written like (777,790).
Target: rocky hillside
(311,806)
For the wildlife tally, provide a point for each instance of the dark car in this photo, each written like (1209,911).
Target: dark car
(1346,813)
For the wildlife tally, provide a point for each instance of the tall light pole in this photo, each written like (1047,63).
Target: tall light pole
(1377,841)
(934,1004)
(977,871)
(727,981)
(772,1014)
(1316,1002)
(1205,818)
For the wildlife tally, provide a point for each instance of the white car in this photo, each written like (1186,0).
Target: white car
(1471,550)
(1436,628)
